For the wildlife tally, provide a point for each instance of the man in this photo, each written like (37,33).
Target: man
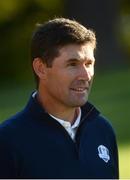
(59,134)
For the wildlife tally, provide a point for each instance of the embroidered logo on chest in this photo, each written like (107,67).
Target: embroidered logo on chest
(103,153)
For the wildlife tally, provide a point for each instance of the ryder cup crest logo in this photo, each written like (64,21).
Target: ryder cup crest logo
(103,153)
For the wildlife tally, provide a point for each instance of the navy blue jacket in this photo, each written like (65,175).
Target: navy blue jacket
(34,145)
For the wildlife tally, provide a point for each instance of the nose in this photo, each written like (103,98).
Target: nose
(86,73)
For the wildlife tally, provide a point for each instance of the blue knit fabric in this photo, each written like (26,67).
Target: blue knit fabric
(34,145)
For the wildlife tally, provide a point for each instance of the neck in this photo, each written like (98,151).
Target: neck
(58,110)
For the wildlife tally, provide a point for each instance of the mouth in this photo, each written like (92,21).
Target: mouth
(80,89)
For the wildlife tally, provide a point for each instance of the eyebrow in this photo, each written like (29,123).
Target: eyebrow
(73,60)
(78,60)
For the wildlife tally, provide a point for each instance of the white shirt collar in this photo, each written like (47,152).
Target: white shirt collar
(34,94)
(71,129)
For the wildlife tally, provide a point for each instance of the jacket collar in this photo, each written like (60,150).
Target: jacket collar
(88,111)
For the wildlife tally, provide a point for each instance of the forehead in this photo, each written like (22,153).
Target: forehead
(77,51)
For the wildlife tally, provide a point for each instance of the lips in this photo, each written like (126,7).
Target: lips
(80,89)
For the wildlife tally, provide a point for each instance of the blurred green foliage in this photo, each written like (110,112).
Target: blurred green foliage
(17,21)
(123,26)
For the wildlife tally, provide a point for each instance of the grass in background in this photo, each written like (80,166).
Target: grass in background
(110,93)
(124,163)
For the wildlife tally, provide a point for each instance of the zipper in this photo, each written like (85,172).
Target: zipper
(77,137)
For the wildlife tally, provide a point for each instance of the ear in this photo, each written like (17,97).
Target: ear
(39,67)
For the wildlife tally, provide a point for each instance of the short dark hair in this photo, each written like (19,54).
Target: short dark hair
(56,33)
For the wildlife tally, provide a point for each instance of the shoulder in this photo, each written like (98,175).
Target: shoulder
(9,139)
(96,121)
(13,127)
(105,130)
(104,123)
(8,129)
(13,121)
(16,121)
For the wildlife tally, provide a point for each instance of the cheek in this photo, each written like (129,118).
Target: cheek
(92,72)
(58,82)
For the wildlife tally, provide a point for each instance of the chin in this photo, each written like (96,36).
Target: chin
(79,104)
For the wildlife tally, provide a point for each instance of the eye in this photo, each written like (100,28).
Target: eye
(88,64)
(73,64)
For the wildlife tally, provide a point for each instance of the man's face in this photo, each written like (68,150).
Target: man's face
(69,79)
